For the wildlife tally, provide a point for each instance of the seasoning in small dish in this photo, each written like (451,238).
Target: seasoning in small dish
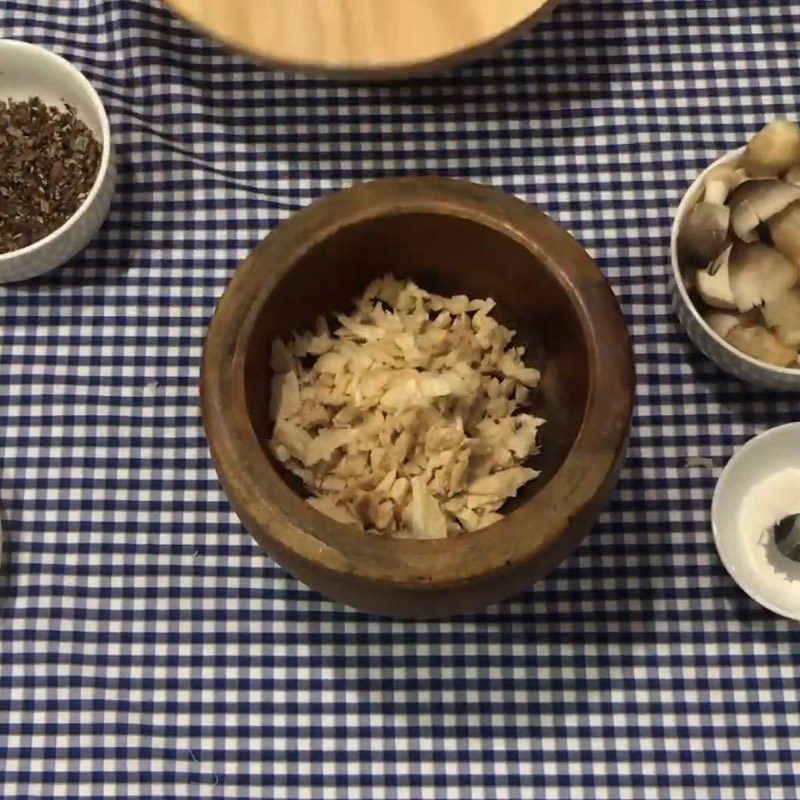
(766,506)
(50,162)
(411,418)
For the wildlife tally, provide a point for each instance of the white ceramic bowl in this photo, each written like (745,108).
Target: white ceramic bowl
(27,70)
(713,346)
(771,452)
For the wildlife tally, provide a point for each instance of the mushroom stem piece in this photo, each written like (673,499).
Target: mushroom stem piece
(773,150)
(757,342)
(784,228)
(719,183)
(793,176)
(759,274)
(783,315)
(755,201)
(723,322)
(703,234)
(714,284)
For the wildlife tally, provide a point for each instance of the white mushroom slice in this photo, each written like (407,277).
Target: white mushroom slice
(322,446)
(481,503)
(784,229)
(402,446)
(514,368)
(319,345)
(468,518)
(455,504)
(432,339)
(482,307)
(713,283)
(422,388)
(755,201)
(793,176)
(458,304)
(757,342)
(383,515)
(758,274)
(330,483)
(408,347)
(385,485)
(293,438)
(523,441)
(427,519)
(502,484)
(369,333)
(332,510)
(455,390)
(488,518)
(723,322)
(372,385)
(443,438)
(783,316)
(312,415)
(352,466)
(284,396)
(400,489)
(773,150)
(719,183)
(279,451)
(331,362)
(453,473)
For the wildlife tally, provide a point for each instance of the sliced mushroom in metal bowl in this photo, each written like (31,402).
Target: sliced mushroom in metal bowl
(773,150)
(756,341)
(714,283)
(758,274)
(739,247)
(782,315)
(704,234)
(723,322)
(755,202)
(784,231)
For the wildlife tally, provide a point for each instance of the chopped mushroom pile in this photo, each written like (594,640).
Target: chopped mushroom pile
(408,419)
(741,246)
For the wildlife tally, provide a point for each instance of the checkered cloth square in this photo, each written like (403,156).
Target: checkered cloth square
(149,650)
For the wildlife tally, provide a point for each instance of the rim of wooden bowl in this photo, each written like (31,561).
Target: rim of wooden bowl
(547,527)
(366,70)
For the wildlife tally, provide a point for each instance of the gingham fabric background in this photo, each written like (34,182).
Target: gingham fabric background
(148,649)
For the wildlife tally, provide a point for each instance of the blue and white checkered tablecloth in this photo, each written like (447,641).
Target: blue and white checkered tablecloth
(149,650)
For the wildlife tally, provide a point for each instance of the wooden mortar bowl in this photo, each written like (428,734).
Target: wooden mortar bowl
(451,237)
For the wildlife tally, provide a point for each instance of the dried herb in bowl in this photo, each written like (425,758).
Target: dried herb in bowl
(50,161)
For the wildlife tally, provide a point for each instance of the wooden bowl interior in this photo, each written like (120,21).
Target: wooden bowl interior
(448,255)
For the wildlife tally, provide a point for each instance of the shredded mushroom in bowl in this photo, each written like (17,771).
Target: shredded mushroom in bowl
(408,419)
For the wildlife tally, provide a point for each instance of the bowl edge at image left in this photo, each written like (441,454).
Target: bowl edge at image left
(702,336)
(77,232)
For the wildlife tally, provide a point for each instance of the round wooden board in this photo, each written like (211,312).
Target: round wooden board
(363,37)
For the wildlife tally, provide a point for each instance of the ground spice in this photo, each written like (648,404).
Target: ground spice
(48,164)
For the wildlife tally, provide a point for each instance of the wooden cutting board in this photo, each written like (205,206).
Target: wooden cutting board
(379,37)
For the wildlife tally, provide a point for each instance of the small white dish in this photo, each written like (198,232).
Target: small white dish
(27,70)
(709,343)
(767,455)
